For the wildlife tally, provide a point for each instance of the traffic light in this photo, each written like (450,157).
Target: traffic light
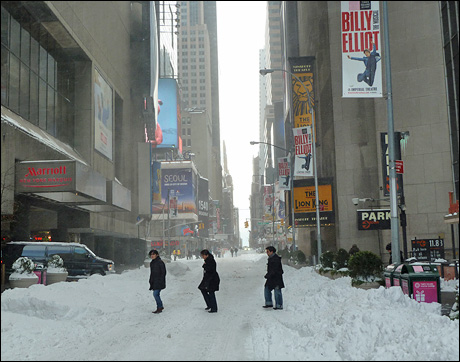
(246,224)
(282,222)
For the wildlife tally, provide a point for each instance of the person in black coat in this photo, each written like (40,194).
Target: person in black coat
(401,256)
(210,282)
(274,278)
(157,279)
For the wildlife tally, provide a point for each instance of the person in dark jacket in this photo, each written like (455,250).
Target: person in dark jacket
(401,256)
(210,282)
(157,278)
(274,278)
(353,250)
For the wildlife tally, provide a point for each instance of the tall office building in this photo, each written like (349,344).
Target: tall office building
(73,84)
(198,77)
(352,130)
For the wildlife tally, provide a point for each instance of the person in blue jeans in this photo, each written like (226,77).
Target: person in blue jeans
(157,278)
(370,61)
(274,280)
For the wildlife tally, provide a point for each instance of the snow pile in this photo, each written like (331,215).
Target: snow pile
(110,318)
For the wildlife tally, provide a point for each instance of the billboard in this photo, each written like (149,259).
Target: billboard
(303,164)
(361,49)
(268,203)
(156,182)
(305,204)
(178,183)
(386,163)
(168,113)
(203,206)
(302,67)
(103,116)
(284,173)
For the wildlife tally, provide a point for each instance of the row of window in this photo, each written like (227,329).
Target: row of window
(192,46)
(34,84)
(192,60)
(185,75)
(193,53)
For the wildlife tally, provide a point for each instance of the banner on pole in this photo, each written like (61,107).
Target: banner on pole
(303,100)
(303,165)
(284,173)
(361,49)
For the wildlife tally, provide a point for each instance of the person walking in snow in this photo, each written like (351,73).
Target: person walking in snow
(274,278)
(210,282)
(157,278)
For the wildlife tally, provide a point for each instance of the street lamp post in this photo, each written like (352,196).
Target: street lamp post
(291,186)
(318,223)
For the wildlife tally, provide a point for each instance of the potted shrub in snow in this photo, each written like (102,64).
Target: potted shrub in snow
(23,275)
(55,271)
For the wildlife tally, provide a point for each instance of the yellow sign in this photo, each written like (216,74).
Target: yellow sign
(305,198)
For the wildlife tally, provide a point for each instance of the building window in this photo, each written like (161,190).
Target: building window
(34,84)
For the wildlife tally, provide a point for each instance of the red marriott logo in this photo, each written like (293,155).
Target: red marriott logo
(61,170)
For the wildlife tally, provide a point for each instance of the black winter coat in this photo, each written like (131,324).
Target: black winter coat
(211,280)
(157,274)
(275,272)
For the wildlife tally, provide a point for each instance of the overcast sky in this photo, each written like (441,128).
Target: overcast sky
(241,34)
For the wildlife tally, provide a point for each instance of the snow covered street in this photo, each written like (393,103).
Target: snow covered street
(110,318)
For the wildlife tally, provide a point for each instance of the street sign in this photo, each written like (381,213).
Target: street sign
(399,165)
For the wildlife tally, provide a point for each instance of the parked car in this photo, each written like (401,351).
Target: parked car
(78,259)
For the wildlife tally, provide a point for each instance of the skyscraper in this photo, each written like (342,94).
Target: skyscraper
(198,77)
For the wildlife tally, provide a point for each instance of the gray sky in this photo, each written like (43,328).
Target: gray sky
(241,34)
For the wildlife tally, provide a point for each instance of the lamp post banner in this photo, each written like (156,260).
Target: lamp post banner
(284,173)
(303,165)
(303,68)
(268,203)
(361,49)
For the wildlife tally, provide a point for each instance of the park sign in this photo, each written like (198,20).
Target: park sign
(374,219)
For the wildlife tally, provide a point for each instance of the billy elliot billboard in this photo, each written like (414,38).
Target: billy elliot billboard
(361,49)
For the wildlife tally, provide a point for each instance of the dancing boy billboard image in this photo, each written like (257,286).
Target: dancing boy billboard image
(361,49)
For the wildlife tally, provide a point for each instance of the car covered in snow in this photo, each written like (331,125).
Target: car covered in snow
(79,260)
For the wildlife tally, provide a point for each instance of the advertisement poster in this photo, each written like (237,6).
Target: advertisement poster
(280,205)
(268,203)
(169,114)
(303,165)
(103,115)
(203,206)
(156,182)
(361,49)
(425,291)
(179,184)
(284,173)
(305,203)
(386,164)
(303,100)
